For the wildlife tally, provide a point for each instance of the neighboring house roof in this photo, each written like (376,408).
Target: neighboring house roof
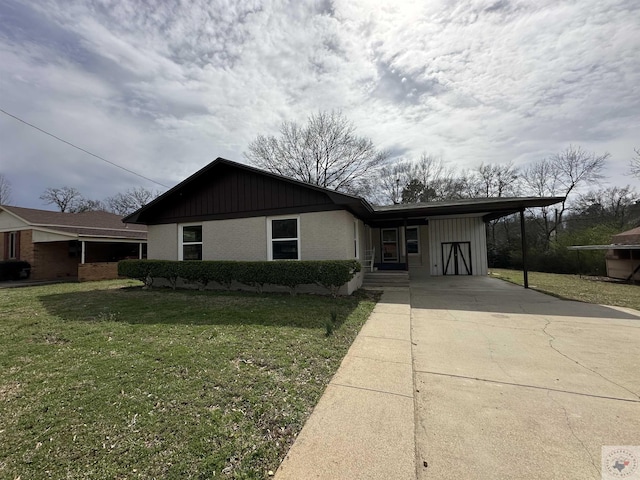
(85,224)
(629,240)
(225,189)
(630,237)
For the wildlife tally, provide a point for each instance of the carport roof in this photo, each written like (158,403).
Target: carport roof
(487,208)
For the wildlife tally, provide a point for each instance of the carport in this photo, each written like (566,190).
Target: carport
(455,233)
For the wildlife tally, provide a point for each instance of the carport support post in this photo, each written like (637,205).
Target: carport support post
(140,251)
(406,246)
(523,238)
(82,255)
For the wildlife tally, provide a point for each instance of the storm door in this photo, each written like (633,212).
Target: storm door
(389,245)
(456,258)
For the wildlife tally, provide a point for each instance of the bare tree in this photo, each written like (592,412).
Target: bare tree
(130,201)
(325,152)
(607,205)
(391,181)
(64,198)
(5,190)
(87,205)
(560,175)
(635,163)
(427,179)
(440,182)
(496,180)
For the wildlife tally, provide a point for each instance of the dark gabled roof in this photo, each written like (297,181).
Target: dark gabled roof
(83,224)
(226,189)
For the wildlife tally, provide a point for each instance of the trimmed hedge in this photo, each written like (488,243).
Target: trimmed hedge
(14,269)
(331,274)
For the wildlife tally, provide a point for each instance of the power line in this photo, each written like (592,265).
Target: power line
(82,149)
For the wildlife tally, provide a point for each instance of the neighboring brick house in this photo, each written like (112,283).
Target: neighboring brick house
(623,256)
(231,211)
(83,246)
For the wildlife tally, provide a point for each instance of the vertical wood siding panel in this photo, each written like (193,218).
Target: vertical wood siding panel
(234,187)
(437,241)
(252,193)
(433,234)
(482,242)
(432,241)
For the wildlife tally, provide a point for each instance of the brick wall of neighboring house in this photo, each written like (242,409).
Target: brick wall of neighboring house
(97,271)
(25,246)
(53,260)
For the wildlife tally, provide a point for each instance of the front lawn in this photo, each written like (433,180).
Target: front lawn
(106,380)
(573,287)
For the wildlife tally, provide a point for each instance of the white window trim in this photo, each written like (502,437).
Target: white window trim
(181,242)
(270,240)
(417,228)
(13,245)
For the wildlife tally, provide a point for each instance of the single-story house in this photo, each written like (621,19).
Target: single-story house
(231,211)
(622,255)
(83,246)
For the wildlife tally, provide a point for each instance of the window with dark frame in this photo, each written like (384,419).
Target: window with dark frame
(192,242)
(413,240)
(284,239)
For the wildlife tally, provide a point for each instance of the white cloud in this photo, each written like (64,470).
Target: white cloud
(165,89)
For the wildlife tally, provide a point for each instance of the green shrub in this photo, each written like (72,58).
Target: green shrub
(14,269)
(331,274)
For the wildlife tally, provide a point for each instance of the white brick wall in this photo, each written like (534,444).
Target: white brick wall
(323,236)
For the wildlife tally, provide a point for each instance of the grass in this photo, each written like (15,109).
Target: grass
(107,380)
(573,287)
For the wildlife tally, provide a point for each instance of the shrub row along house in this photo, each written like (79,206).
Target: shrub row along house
(83,246)
(230,211)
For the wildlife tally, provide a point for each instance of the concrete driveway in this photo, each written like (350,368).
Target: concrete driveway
(511,383)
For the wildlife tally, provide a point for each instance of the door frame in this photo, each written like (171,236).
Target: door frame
(382,242)
(457,253)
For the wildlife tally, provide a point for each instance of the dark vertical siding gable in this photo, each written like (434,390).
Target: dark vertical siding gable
(230,191)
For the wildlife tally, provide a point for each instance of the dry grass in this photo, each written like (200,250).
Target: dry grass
(596,290)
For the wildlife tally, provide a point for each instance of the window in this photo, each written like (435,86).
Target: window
(389,245)
(413,240)
(13,245)
(284,243)
(191,242)
(356,246)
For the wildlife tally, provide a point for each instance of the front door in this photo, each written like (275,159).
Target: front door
(389,245)
(456,258)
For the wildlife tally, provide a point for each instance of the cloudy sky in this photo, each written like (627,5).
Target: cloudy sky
(164,87)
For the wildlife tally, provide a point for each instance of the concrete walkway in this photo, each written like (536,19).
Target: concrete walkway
(363,426)
(472,377)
